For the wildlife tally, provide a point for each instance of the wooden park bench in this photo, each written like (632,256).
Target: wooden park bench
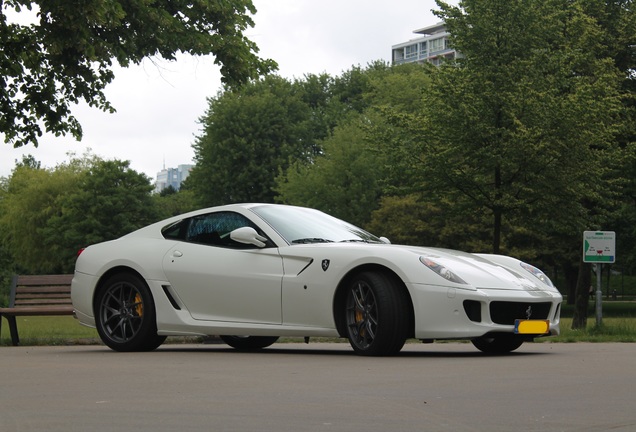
(37,295)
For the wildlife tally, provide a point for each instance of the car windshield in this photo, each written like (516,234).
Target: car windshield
(300,225)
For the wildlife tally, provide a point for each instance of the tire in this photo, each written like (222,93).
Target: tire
(376,315)
(125,314)
(249,343)
(497,344)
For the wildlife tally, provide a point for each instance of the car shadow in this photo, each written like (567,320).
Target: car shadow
(333,350)
(410,350)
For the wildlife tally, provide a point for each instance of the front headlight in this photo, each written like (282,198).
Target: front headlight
(441,270)
(537,273)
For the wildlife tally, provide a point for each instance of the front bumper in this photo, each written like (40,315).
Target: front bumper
(451,313)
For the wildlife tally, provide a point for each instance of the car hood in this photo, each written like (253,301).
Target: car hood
(483,270)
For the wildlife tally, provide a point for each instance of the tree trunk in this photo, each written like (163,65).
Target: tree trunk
(496,238)
(570,273)
(583,284)
(497,213)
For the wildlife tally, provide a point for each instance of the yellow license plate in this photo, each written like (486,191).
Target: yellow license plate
(532,326)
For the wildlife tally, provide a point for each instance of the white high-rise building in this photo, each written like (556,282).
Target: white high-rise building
(432,47)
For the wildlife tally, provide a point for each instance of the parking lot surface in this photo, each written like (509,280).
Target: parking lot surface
(319,387)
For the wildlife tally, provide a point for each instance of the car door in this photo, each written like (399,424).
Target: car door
(220,280)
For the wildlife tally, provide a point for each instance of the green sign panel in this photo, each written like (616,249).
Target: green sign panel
(599,247)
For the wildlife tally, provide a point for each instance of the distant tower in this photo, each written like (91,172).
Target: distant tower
(172,177)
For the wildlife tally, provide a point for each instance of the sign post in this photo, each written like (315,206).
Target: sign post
(599,247)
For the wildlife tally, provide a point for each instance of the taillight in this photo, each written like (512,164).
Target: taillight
(79,252)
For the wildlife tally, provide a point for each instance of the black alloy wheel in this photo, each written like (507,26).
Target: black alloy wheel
(125,314)
(376,314)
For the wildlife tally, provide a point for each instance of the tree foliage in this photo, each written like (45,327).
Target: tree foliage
(252,134)
(66,56)
(343,182)
(108,201)
(349,176)
(521,125)
(248,136)
(30,201)
(407,220)
(173,204)
(47,215)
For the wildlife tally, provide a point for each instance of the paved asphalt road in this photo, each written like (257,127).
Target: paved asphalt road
(319,387)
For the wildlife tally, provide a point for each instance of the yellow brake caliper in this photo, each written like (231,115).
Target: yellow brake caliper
(139,308)
(359,318)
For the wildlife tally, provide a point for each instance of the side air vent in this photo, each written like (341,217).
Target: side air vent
(473,310)
(173,302)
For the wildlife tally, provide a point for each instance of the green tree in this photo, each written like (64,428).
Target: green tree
(521,128)
(47,215)
(349,175)
(407,220)
(29,161)
(343,182)
(618,19)
(173,204)
(30,201)
(396,98)
(252,134)
(249,135)
(6,259)
(66,56)
(625,223)
(520,125)
(110,200)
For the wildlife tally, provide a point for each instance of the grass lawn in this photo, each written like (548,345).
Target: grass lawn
(611,309)
(49,330)
(619,325)
(611,330)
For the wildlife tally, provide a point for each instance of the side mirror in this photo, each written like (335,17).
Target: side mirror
(385,240)
(248,235)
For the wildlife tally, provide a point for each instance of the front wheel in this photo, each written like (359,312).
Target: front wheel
(249,343)
(497,344)
(125,314)
(376,314)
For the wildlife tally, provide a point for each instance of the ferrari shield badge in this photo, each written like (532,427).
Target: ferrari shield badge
(325,264)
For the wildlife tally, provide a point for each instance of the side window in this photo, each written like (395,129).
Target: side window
(176,231)
(214,229)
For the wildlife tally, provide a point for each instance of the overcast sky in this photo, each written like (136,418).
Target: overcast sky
(159,102)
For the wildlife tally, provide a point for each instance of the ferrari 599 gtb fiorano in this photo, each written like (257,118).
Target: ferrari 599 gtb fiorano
(251,273)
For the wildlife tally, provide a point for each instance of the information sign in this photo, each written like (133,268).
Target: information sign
(599,247)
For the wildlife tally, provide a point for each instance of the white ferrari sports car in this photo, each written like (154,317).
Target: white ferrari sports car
(251,273)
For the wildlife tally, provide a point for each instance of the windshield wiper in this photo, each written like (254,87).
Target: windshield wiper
(311,240)
(355,241)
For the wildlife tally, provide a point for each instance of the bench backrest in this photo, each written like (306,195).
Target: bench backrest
(40,290)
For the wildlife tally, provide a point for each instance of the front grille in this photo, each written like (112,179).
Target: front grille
(503,312)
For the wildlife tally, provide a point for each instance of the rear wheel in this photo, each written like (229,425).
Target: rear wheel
(376,314)
(125,314)
(249,343)
(497,344)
